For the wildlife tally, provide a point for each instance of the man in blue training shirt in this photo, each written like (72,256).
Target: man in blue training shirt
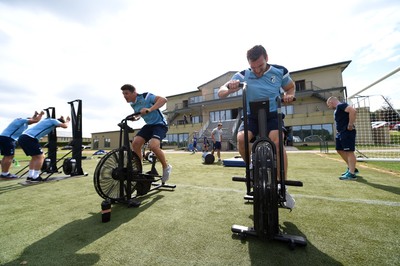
(263,81)
(345,117)
(8,139)
(29,142)
(156,127)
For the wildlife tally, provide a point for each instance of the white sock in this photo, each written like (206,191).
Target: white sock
(35,174)
(31,172)
(5,173)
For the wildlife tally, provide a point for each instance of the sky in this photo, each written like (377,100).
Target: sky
(54,52)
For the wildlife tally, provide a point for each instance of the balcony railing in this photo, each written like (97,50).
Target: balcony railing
(310,88)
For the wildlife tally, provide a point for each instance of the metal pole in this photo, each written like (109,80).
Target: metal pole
(376,82)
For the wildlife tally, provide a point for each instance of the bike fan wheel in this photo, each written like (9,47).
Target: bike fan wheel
(265,200)
(110,180)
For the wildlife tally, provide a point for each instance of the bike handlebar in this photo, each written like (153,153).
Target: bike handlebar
(132,116)
(244,84)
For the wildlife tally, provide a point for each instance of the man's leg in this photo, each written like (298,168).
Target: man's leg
(6,163)
(137,145)
(36,162)
(274,136)
(351,161)
(241,144)
(344,156)
(154,145)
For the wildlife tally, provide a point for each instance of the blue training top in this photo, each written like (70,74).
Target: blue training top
(147,100)
(15,128)
(42,128)
(341,117)
(267,86)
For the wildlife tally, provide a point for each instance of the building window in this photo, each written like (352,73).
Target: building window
(222,115)
(95,144)
(196,119)
(196,99)
(236,93)
(107,143)
(180,140)
(300,85)
(288,109)
(312,133)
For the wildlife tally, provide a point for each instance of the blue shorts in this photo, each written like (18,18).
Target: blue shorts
(153,132)
(7,146)
(272,124)
(30,145)
(346,140)
(217,145)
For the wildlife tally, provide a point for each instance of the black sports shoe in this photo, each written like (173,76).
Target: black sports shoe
(38,179)
(9,176)
(28,178)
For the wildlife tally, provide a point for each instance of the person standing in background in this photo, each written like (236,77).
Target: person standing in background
(345,117)
(216,136)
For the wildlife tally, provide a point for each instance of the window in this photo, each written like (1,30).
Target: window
(95,144)
(107,143)
(196,99)
(300,85)
(288,109)
(236,93)
(196,119)
(312,133)
(181,140)
(216,93)
(221,115)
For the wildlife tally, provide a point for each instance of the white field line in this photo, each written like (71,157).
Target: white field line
(361,201)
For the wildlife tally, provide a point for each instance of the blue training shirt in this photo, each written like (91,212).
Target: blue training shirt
(15,128)
(147,100)
(43,128)
(267,86)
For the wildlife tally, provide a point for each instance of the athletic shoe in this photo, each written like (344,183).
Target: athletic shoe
(166,173)
(348,177)
(9,176)
(29,178)
(38,179)
(355,172)
(290,202)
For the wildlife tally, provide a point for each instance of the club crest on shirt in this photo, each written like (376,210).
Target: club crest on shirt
(273,79)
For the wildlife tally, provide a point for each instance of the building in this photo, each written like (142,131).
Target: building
(308,119)
(196,113)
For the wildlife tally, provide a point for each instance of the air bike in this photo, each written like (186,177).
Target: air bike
(72,166)
(119,176)
(261,180)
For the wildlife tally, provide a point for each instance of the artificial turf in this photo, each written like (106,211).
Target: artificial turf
(345,222)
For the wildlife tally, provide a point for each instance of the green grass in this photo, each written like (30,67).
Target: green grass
(345,223)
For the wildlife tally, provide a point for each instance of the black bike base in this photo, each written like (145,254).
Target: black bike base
(160,185)
(292,240)
(134,202)
(48,179)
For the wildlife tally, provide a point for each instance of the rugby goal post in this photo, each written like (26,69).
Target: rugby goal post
(378,131)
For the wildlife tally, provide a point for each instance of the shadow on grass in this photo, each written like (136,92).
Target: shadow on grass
(275,252)
(395,190)
(62,246)
(10,187)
